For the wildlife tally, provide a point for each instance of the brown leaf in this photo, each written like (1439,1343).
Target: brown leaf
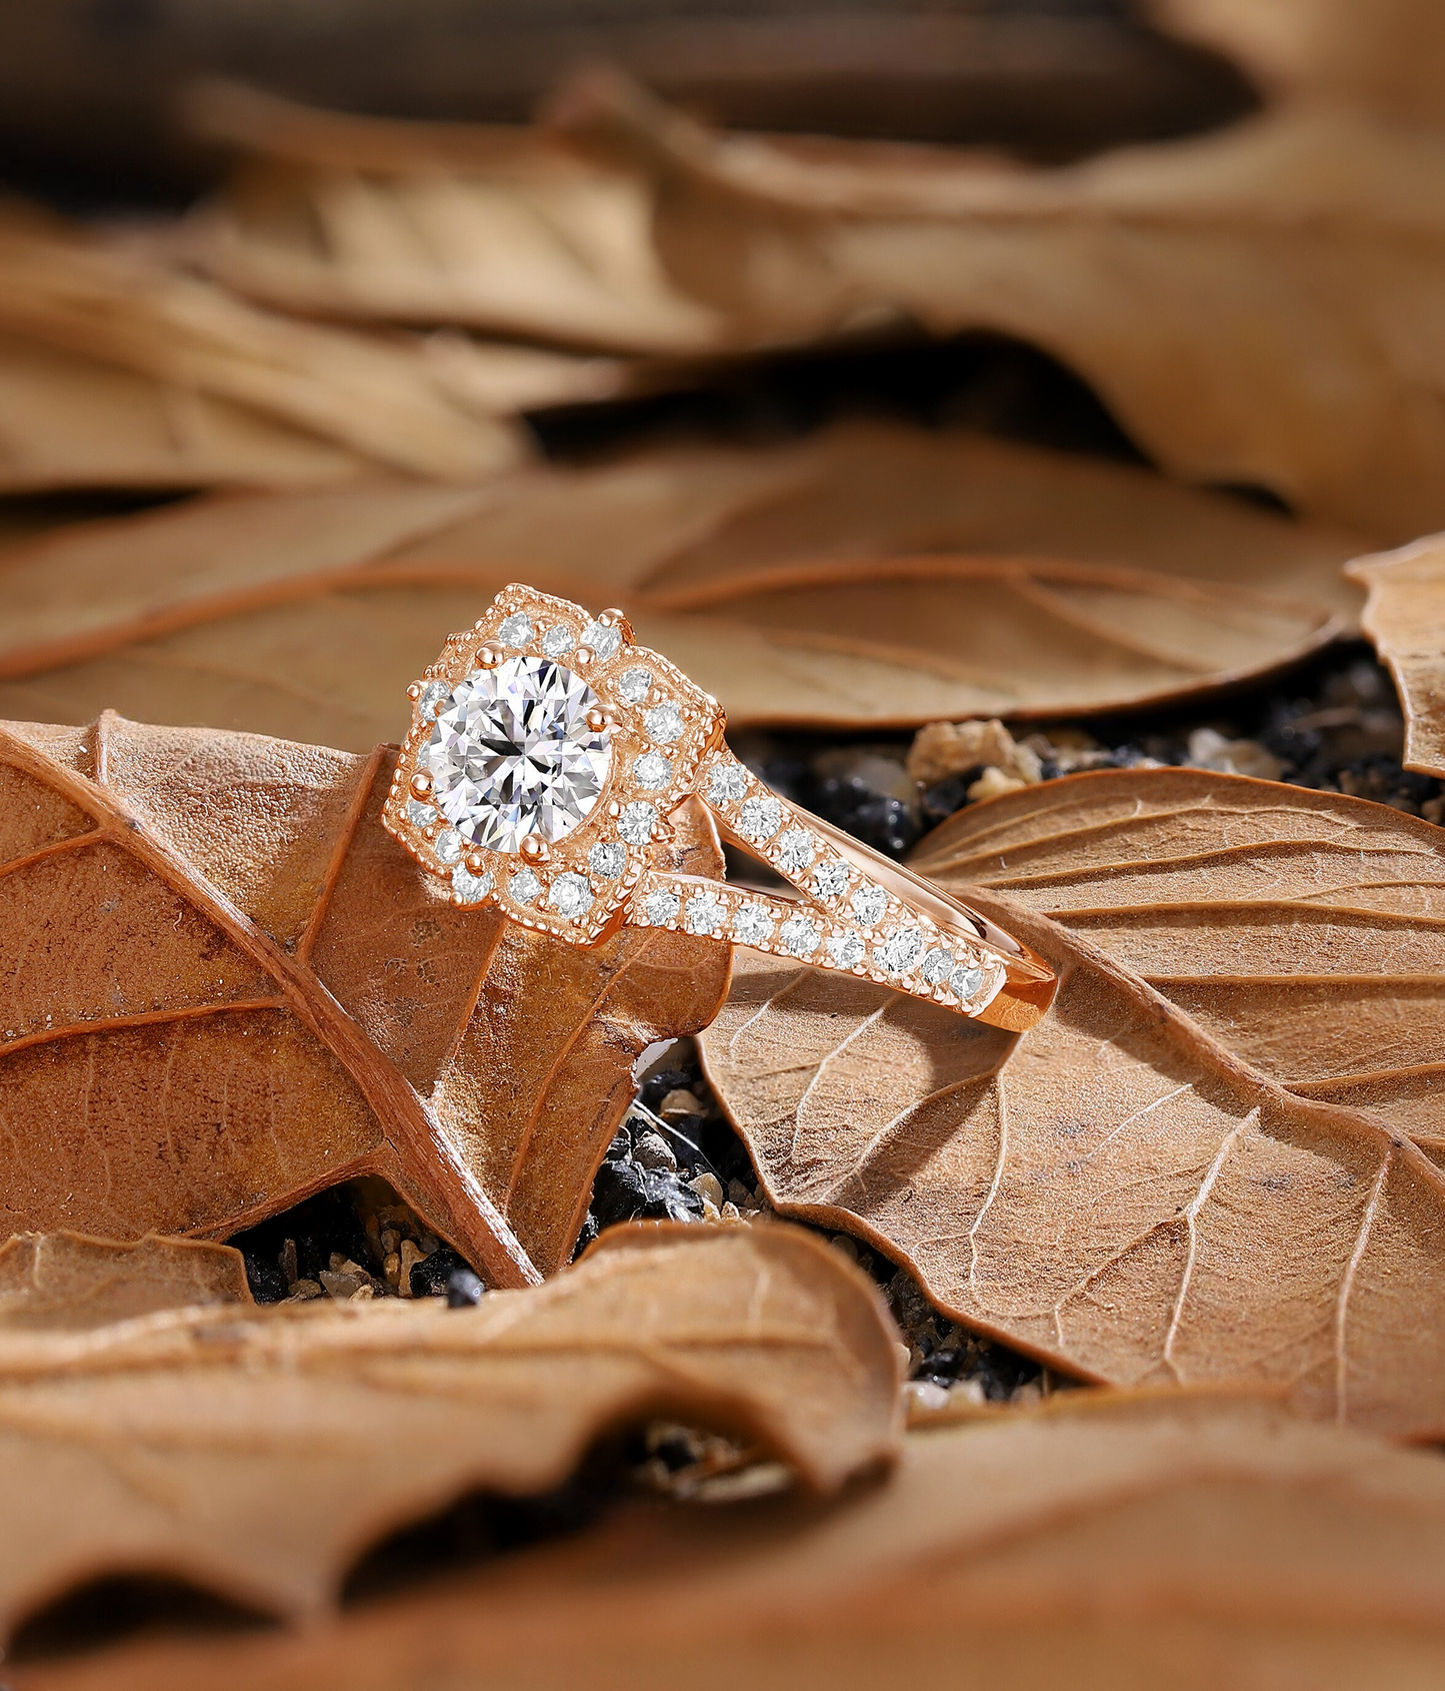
(1111,1545)
(1115,1193)
(1301,930)
(260,1451)
(228,988)
(381,401)
(1038,583)
(1405,617)
(68,1281)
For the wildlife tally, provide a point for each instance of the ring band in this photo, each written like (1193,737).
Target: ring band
(547,751)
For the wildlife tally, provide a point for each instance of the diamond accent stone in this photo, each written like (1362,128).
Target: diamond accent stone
(603,640)
(511,756)
(795,851)
(418,814)
(900,951)
(607,859)
(523,887)
(830,880)
(653,771)
(869,903)
(937,966)
(516,631)
(664,724)
(448,846)
(471,889)
(704,914)
(571,895)
(800,936)
(966,982)
(846,950)
(636,822)
(557,641)
(661,908)
(726,784)
(760,819)
(752,924)
(431,696)
(635,684)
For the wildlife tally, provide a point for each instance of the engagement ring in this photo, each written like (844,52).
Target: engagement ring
(548,750)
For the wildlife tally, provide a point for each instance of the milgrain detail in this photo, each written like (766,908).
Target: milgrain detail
(425,1154)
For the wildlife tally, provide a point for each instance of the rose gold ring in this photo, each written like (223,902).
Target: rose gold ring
(548,750)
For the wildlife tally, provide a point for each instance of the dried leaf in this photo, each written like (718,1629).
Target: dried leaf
(1260,305)
(380,400)
(1046,583)
(228,988)
(1109,1545)
(1300,930)
(68,1281)
(1115,1193)
(261,1450)
(1405,617)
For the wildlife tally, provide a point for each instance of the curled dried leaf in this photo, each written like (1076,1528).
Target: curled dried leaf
(260,1451)
(68,1281)
(1405,617)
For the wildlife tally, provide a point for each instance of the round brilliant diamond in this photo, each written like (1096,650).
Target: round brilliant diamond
(523,887)
(571,895)
(796,850)
(448,846)
(431,696)
(603,640)
(635,684)
(661,908)
(846,950)
(830,879)
(636,822)
(726,784)
(752,924)
(704,914)
(760,819)
(557,641)
(516,631)
(664,724)
(937,966)
(511,755)
(419,815)
(900,951)
(869,903)
(965,982)
(607,859)
(471,889)
(800,936)
(653,771)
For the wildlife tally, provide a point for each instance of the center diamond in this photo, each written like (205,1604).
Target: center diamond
(511,754)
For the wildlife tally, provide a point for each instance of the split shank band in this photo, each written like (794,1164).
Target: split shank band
(547,751)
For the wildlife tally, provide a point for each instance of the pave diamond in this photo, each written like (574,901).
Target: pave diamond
(511,756)
(869,903)
(516,631)
(937,966)
(800,936)
(607,860)
(704,914)
(523,887)
(419,815)
(830,880)
(664,724)
(966,982)
(448,846)
(636,822)
(796,850)
(571,895)
(900,951)
(431,696)
(661,908)
(471,889)
(752,924)
(760,819)
(846,950)
(557,641)
(635,684)
(653,771)
(726,784)
(603,640)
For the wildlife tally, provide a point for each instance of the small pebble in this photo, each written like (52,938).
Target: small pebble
(653,1151)
(709,1188)
(303,1290)
(679,1104)
(341,1286)
(993,783)
(925,1394)
(464,1289)
(410,1256)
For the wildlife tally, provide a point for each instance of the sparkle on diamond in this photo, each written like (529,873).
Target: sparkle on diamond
(571,895)
(663,724)
(869,903)
(796,850)
(511,756)
(830,879)
(752,924)
(800,936)
(937,966)
(471,889)
(726,784)
(760,819)
(846,950)
(900,951)
(653,771)
(524,886)
(557,641)
(635,684)
(603,640)
(516,630)
(636,822)
(661,908)
(704,914)
(607,860)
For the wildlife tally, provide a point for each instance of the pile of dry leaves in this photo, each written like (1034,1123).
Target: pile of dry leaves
(1200,1209)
